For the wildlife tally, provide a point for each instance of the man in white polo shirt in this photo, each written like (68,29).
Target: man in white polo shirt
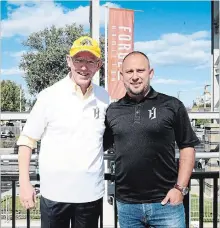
(68,117)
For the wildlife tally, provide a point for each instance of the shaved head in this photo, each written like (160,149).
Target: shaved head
(136,53)
(136,74)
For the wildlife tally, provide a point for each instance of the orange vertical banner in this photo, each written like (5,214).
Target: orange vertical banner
(120,43)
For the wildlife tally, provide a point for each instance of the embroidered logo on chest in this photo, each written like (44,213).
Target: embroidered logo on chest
(96,112)
(152,113)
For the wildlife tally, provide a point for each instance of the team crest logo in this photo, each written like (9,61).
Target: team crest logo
(86,42)
(96,112)
(152,113)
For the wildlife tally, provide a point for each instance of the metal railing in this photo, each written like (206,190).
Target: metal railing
(14,179)
(201,176)
(109,177)
(110,157)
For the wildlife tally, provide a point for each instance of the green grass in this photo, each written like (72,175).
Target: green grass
(208,211)
(20,211)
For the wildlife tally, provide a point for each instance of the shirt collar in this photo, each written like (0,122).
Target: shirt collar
(76,88)
(150,95)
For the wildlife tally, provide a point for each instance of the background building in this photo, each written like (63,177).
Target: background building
(215,55)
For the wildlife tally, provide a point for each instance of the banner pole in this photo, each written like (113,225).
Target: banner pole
(95,29)
(106,48)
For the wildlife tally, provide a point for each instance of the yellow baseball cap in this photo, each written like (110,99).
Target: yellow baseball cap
(85,43)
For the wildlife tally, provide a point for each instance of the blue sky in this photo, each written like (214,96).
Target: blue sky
(175,35)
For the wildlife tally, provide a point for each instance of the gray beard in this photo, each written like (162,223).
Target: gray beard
(142,93)
(136,93)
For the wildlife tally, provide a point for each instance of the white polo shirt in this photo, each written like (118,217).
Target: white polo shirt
(71,130)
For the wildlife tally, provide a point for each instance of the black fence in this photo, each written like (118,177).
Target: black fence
(201,176)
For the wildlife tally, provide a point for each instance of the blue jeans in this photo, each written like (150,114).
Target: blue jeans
(151,215)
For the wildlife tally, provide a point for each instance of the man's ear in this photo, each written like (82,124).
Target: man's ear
(151,73)
(121,75)
(100,63)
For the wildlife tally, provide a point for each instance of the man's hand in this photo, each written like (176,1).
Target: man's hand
(27,195)
(174,196)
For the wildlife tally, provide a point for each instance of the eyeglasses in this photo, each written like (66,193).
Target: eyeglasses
(84,61)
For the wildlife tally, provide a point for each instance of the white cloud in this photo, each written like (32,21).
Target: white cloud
(11,71)
(204,65)
(200,34)
(17,54)
(28,18)
(198,87)
(179,49)
(168,81)
(20,2)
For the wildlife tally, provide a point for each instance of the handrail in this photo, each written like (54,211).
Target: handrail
(203,155)
(110,177)
(110,157)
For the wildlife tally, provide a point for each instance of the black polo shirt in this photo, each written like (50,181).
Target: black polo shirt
(144,135)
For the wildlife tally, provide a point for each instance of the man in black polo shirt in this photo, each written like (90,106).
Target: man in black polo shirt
(143,126)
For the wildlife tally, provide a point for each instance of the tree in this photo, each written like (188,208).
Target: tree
(102,70)
(45,61)
(10,96)
(202,121)
(30,104)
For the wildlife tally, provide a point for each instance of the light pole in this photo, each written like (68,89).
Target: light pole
(20,96)
(94,19)
(178,94)
(20,106)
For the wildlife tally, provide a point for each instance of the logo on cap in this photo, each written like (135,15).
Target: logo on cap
(86,42)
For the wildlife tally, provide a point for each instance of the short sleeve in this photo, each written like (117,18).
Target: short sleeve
(26,141)
(108,138)
(37,119)
(184,134)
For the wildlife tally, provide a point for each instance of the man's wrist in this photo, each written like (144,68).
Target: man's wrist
(24,180)
(183,189)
